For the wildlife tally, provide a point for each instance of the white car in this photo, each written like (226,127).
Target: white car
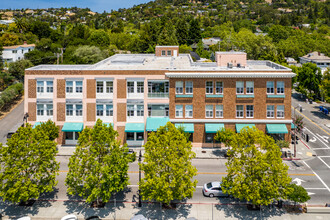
(69,217)
(213,189)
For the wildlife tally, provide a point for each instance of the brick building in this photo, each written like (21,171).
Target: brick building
(137,93)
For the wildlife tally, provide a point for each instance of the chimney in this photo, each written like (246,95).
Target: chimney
(25,43)
(231,59)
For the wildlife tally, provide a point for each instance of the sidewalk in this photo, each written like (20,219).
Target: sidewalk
(201,211)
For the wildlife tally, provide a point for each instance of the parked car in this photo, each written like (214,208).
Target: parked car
(14,129)
(213,189)
(69,217)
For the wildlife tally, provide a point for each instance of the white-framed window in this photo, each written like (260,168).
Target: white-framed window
(169,53)
(44,111)
(270,87)
(130,110)
(189,111)
(163,53)
(239,87)
(155,110)
(103,86)
(49,109)
(40,86)
(270,111)
(130,87)
(140,87)
(158,89)
(249,87)
(209,87)
(104,110)
(134,136)
(209,111)
(74,110)
(49,86)
(280,87)
(99,87)
(189,87)
(179,87)
(219,87)
(135,112)
(219,111)
(239,111)
(135,89)
(74,86)
(249,111)
(40,109)
(178,111)
(280,111)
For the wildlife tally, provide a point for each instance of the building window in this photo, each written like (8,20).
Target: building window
(270,87)
(280,111)
(163,52)
(102,110)
(189,87)
(178,111)
(139,136)
(99,110)
(99,86)
(109,87)
(240,87)
(219,111)
(79,110)
(239,111)
(69,86)
(249,111)
(209,137)
(40,109)
(74,110)
(130,110)
(209,87)
(109,110)
(189,111)
(158,89)
(79,86)
(134,136)
(49,109)
(158,110)
(178,87)
(140,110)
(135,110)
(140,87)
(219,87)
(270,111)
(40,86)
(130,87)
(169,53)
(69,110)
(249,87)
(130,136)
(49,86)
(209,111)
(14,51)
(280,87)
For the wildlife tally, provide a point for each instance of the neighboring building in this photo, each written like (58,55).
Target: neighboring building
(292,61)
(7,22)
(318,58)
(15,53)
(137,93)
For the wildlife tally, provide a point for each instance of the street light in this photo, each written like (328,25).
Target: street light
(295,128)
(140,155)
(25,117)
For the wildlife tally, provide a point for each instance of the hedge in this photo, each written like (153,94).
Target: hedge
(10,94)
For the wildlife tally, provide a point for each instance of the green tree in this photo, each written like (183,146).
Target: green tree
(299,194)
(89,54)
(28,165)
(21,24)
(50,129)
(194,33)
(9,39)
(182,29)
(255,169)
(99,165)
(299,123)
(325,86)
(6,79)
(309,78)
(184,49)
(167,167)
(225,136)
(99,38)
(1,61)
(17,68)
(167,35)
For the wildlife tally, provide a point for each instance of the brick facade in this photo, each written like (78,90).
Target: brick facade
(32,110)
(121,85)
(61,88)
(60,112)
(32,86)
(121,112)
(91,109)
(91,88)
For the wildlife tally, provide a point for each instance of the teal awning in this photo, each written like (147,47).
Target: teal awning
(293,126)
(73,127)
(213,128)
(188,127)
(239,127)
(153,123)
(36,124)
(134,127)
(276,129)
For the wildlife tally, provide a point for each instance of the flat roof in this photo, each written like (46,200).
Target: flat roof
(183,62)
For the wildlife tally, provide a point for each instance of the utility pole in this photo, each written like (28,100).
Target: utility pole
(140,155)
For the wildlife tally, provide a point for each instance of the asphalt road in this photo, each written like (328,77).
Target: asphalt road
(14,117)
(315,125)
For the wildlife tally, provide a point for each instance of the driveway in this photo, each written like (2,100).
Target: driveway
(14,117)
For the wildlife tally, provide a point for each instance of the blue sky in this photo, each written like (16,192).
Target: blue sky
(94,5)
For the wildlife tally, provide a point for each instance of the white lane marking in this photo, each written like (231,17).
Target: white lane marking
(317,137)
(324,162)
(315,188)
(310,193)
(299,181)
(317,176)
(321,148)
(323,156)
(197,187)
(323,138)
(313,140)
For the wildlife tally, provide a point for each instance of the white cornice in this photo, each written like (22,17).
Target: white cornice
(230,75)
(245,121)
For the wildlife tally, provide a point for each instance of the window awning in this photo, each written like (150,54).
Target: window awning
(276,129)
(153,123)
(134,127)
(188,127)
(213,128)
(239,127)
(36,124)
(73,127)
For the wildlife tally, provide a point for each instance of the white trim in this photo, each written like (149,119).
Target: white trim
(229,74)
(262,121)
